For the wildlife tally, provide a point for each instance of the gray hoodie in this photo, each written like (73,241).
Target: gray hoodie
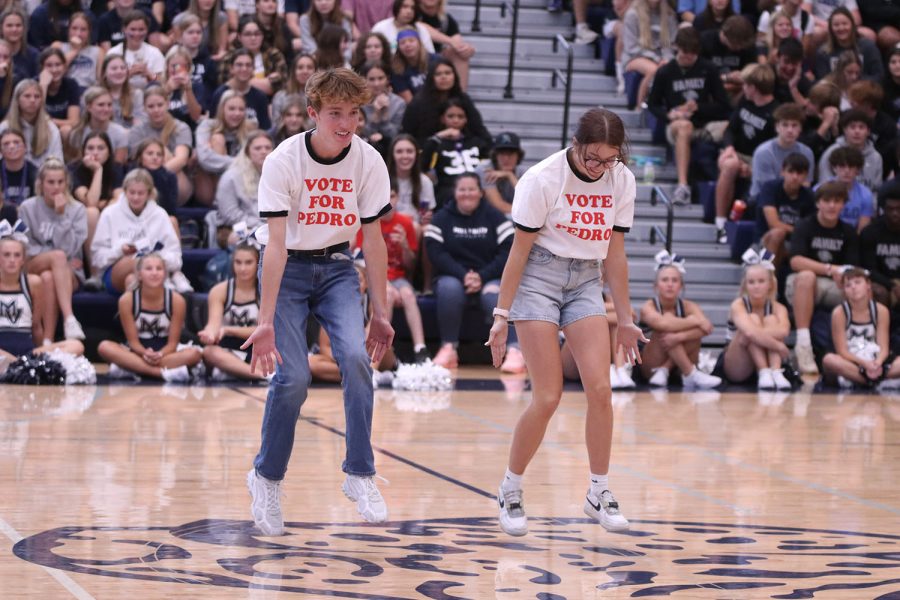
(871,175)
(48,230)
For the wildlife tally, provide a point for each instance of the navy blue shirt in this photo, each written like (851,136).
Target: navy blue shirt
(457,243)
(790,211)
(257,105)
(42,31)
(25,63)
(68,94)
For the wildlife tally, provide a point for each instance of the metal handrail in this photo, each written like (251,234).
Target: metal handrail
(558,41)
(514,7)
(657,195)
(476,22)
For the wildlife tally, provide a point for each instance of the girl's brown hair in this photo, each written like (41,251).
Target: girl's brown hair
(317,21)
(602,126)
(126,101)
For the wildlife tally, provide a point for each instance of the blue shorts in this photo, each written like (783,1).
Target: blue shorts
(558,290)
(107,281)
(16,343)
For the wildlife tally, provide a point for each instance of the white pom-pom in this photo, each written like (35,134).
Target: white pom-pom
(79,370)
(422,378)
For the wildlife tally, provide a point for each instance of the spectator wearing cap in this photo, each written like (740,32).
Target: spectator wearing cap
(499,178)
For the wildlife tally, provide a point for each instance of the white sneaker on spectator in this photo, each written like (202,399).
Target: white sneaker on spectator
(625,380)
(721,236)
(614,381)
(682,195)
(265,503)
(781,382)
(844,383)
(699,379)
(218,374)
(604,509)
(382,379)
(660,377)
(765,380)
(369,502)
(806,359)
(72,329)
(117,372)
(584,35)
(176,375)
(512,512)
(180,283)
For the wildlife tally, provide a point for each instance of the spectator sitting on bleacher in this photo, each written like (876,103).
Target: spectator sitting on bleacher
(110,24)
(500,176)
(21,331)
(14,30)
(402,245)
(612,29)
(687,94)
(274,28)
(821,10)
(61,94)
(7,79)
(846,72)
(145,62)
(856,128)
(843,37)
(820,246)
(757,326)
(240,69)
(404,15)
(709,18)
(801,21)
(409,65)
(883,17)
(384,113)
(236,194)
(366,13)
(823,114)
(27,115)
(134,223)
(770,155)
(371,47)
(648,31)
(232,317)
(269,64)
(422,118)
(98,117)
(188,31)
(676,328)
(445,34)
(860,331)
(468,242)
(150,155)
(414,189)
(215,27)
(781,28)
(292,120)
(302,68)
(19,173)
(452,150)
(790,84)
(752,122)
(317,17)
(730,49)
(218,141)
(57,229)
(846,163)
(880,246)
(868,97)
(783,203)
(187,97)
(152,318)
(128,102)
(891,89)
(174,134)
(332,42)
(82,58)
(95,181)
(236,9)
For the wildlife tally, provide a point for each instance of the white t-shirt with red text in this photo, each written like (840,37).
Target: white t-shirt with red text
(325,200)
(574,217)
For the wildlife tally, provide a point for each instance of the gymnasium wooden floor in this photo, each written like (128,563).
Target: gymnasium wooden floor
(138,492)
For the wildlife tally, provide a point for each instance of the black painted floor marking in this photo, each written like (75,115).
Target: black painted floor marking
(388,453)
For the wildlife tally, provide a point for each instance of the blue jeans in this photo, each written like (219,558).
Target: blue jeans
(330,290)
(451,304)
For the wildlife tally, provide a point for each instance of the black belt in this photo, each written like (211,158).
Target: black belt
(320,252)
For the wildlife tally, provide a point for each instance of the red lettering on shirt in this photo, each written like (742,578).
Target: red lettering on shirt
(589,201)
(587,218)
(329,184)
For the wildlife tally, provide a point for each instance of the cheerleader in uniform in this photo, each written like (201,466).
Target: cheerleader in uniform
(152,317)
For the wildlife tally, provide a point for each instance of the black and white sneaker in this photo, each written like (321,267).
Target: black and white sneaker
(512,512)
(721,236)
(605,510)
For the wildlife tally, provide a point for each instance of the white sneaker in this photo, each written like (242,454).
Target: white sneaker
(117,372)
(512,512)
(845,383)
(765,380)
(382,379)
(806,360)
(585,35)
(369,502)
(781,382)
(614,381)
(604,509)
(265,504)
(180,283)
(660,377)
(72,329)
(176,375)
(699,379)
(625,380)
(218,374)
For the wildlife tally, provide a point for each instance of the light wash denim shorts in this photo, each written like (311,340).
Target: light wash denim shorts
(558,290)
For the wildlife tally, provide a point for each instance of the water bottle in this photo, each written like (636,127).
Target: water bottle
(649,171)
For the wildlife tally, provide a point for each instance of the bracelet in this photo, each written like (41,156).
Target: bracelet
(500,312)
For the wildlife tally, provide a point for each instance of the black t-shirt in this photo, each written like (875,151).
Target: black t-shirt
(750,126)
(178,107)
(205,73)
(880,252)
(257,105)
(166,184)
(18,186)
(838,245)
(109,26)
(68,94)
(448,26)
(790,211)
(82,177)
(713,50)
(782,91)
(296,6)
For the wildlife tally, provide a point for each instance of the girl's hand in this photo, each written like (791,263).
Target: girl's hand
(59,203)
(206,337)
(91,163)
(497,340)
(448,134)
(627,338)
(45,78)
(76,42)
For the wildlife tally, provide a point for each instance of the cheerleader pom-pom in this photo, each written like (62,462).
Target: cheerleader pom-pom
(79,370)
(422,402)
(35,369)
(426,377)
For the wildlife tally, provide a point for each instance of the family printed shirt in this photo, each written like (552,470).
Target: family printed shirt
(574,217)
(325,200)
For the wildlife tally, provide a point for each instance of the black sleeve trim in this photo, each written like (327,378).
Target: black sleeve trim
(528,229)
(621,229)
(387,208)
(265,214)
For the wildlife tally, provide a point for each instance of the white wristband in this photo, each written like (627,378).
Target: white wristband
(499,312)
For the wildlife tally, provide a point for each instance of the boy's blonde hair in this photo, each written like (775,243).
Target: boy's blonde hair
(333,86)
